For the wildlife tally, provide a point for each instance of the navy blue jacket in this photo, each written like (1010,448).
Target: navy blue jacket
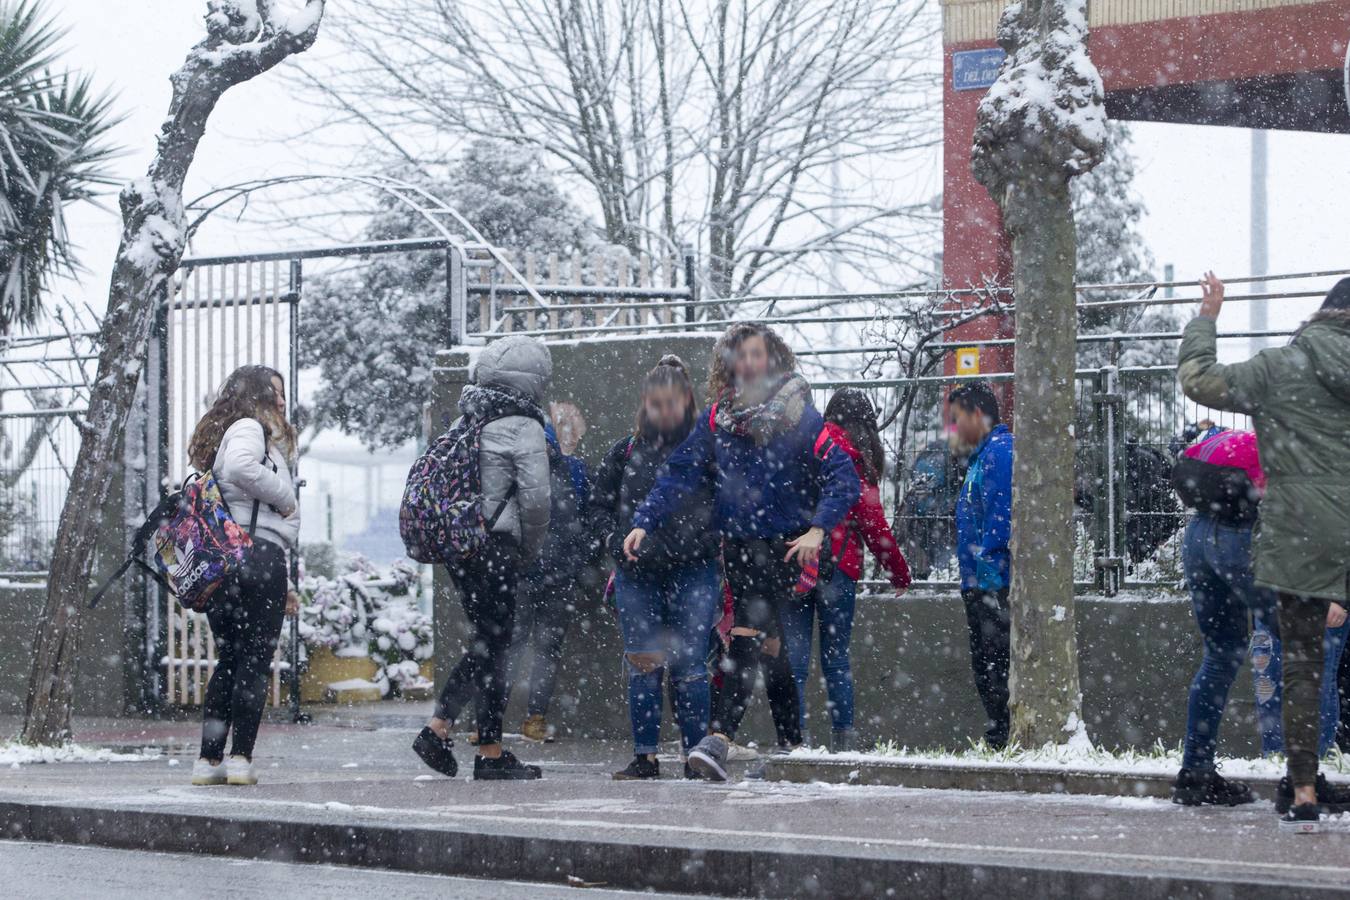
(567,547)
(778,490)
(984,514)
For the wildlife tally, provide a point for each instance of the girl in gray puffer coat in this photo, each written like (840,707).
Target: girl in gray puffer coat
(510,379)
(245,440)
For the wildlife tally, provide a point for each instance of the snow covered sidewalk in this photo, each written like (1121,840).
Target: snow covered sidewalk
(356,795)
(1071,769)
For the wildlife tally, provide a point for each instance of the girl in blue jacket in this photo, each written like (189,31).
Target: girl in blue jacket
(780,486)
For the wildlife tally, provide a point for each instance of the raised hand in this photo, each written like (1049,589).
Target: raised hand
(1211,290)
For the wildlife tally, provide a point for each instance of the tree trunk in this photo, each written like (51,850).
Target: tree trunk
(240,44)
(1044,675)
(1041,124)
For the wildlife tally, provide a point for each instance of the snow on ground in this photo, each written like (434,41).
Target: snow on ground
(14,754)
(1076,756)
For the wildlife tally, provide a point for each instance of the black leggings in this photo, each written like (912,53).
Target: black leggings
(761,582)
(487,590)
(246,623)
(546,609)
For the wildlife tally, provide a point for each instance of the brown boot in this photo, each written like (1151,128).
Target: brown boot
(536,729)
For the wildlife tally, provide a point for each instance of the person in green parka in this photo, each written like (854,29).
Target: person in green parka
(1298,397)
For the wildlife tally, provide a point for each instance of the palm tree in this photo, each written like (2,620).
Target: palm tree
(53,151)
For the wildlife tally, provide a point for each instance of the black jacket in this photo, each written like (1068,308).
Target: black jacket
(623,481)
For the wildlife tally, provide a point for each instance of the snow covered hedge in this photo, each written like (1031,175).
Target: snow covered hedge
(373,611)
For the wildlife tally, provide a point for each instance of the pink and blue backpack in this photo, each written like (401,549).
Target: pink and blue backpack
(197,543)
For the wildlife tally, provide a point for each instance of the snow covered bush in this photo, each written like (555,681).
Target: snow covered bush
(373,611)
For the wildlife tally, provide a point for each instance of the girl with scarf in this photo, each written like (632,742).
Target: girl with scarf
(780,485)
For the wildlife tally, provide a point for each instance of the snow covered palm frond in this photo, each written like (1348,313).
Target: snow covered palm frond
(52,152)
(1046,108)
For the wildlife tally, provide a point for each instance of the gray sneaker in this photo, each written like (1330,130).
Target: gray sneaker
(709,758)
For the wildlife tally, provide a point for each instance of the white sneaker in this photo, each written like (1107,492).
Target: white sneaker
(239,770)
(204,773)
(741,753)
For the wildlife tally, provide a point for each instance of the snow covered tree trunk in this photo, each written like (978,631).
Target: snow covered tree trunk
(1041,124)
(244,39)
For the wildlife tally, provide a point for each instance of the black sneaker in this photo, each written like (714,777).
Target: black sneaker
(640,769)
(435,752)
(1302,819)
(504,768)
(1331,798)
(1196,787)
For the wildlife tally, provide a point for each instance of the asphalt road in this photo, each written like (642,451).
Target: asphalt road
(60,872)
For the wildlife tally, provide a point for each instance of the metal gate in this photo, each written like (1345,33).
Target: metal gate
(44,382)
(223,315)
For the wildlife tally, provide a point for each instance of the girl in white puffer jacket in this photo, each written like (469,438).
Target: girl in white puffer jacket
(246,442)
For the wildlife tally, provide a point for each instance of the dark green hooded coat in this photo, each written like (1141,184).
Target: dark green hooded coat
(1299,399)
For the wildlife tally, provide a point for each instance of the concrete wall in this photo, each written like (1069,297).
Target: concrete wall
(108,672)
(911,666)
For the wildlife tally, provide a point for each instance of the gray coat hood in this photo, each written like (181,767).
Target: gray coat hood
(519,363)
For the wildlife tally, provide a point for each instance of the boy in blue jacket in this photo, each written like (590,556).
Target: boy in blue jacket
(983,527)
(780,487)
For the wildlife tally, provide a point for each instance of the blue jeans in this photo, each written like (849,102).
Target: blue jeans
(1267,674)
(671,613)
(1218,563)
(834,603)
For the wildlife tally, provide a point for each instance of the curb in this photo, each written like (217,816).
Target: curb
(991,777)
(732,872)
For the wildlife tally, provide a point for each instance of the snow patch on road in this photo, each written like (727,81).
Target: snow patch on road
(14,754)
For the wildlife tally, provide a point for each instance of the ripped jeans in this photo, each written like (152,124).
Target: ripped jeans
(1268,677)
(667,620)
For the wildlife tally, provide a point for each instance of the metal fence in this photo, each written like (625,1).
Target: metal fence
(898,346)
(1128,422)
(43,394)
(609,288)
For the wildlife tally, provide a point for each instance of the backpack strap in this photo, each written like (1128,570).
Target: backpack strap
(501,508)
(257,504)
(131,560)
(712,418)
(824,444)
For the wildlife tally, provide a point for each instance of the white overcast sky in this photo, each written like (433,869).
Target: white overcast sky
(1194,180)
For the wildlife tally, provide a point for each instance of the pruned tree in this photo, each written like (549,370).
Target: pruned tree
(752,131)
(244,38)
(1041,124)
